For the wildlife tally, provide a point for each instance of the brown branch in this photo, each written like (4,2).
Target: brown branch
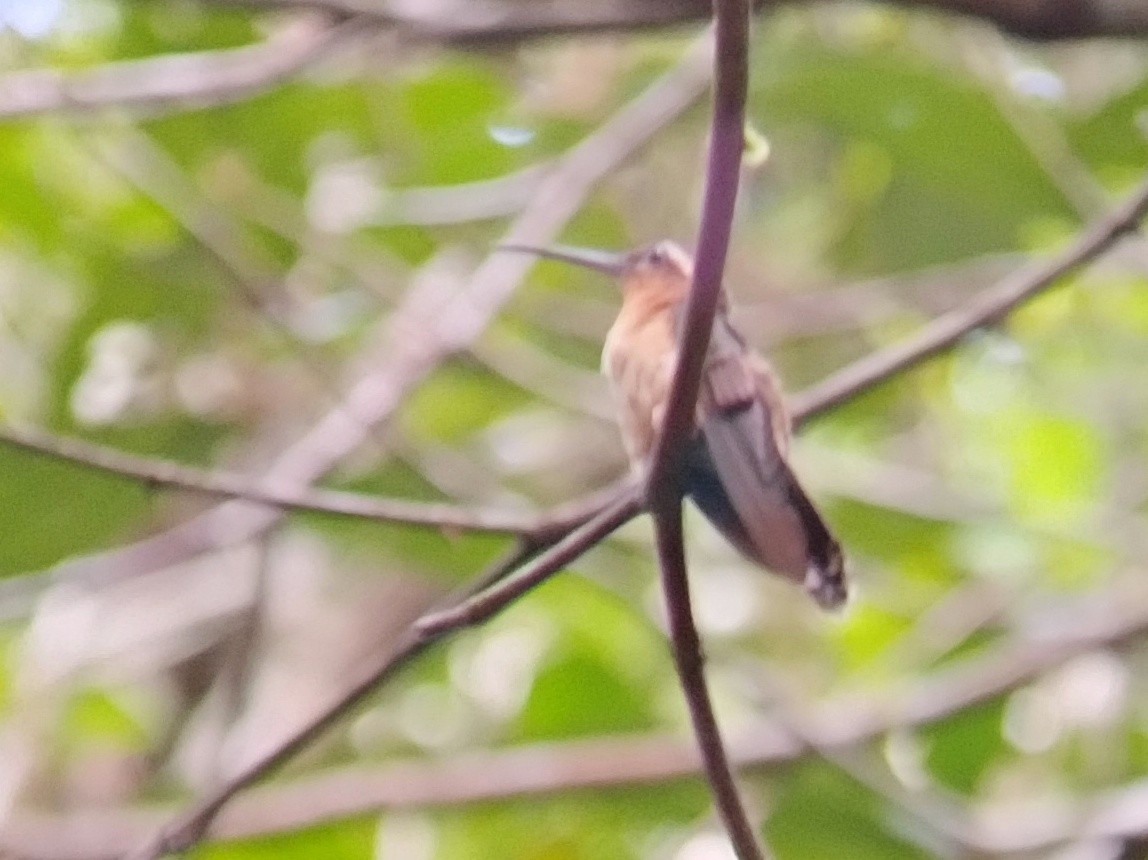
(1108,619)
(496,22)
(209,78)
(165,473)
(466,25)
(690,663)
(483,605)
(987,307)
(177,81)
(663,486)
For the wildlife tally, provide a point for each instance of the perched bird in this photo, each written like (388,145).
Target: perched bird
(736,469)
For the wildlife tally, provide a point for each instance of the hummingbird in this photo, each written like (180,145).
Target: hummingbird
(736,467)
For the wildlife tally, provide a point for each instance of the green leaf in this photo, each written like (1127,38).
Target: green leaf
(340,840)
(50,510)
(603,674)
(1112,139)
(94,714)
(962,746)
(1056,465)
(953,159)
(821,813)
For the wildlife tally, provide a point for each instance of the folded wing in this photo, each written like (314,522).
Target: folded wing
(738,476)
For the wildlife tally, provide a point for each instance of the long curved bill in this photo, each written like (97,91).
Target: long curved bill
(607,262)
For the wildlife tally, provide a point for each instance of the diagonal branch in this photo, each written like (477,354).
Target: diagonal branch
(165,473)
(485,603)
(178,81)
(946,331)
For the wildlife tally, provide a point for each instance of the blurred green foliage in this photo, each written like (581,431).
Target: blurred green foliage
(906,152)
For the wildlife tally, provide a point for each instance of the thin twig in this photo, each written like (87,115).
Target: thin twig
(178,81)
(215,482)
(486,603)
(663,487)
(987,307)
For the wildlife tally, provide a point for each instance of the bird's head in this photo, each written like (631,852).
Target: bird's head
(661,269)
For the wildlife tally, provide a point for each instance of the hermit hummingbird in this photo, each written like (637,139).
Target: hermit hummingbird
(736,468)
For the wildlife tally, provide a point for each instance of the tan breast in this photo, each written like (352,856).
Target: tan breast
(638,359)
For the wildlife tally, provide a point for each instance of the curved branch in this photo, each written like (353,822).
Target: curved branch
(663,484)
(489,601)
(177,81)
(500,21)
(165,473)
(209,78)
(987,307)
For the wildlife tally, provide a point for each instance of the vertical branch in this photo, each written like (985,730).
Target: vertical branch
(690,662)
(727,136)
(663,490)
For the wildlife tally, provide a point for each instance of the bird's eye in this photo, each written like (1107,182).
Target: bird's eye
(656,255)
